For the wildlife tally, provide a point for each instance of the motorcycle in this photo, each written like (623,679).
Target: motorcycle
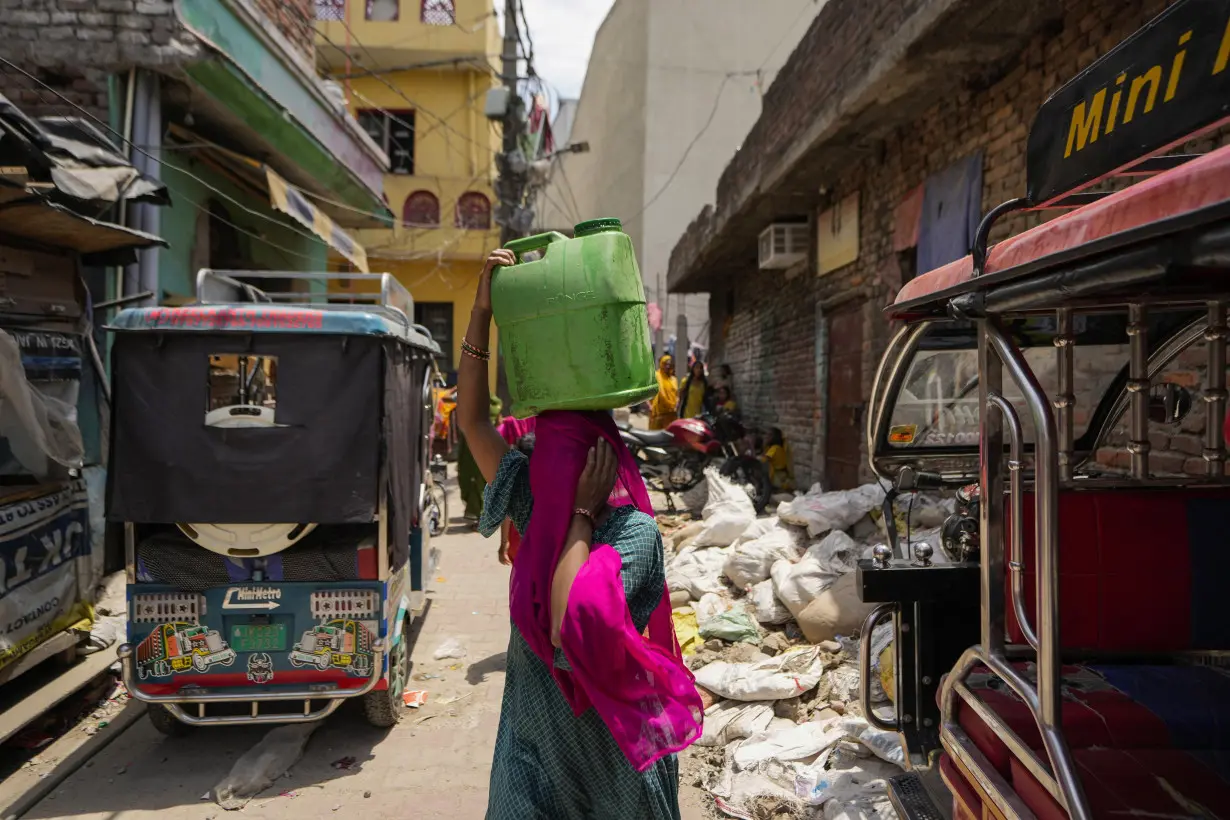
(674,460)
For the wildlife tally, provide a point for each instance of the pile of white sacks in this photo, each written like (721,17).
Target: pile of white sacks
(768,613)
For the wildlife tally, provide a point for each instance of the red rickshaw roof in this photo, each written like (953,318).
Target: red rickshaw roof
(1198,184)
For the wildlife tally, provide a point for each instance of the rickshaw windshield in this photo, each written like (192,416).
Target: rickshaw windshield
(936,405)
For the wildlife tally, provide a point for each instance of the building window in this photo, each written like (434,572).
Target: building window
(383,11)
(439,12)
(330,9)
(437,317)
(474,211)
(394,132)
(422,210)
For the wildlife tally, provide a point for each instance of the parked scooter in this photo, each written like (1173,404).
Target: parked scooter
(674,460)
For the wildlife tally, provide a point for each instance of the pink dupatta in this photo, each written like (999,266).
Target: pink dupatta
(638,684)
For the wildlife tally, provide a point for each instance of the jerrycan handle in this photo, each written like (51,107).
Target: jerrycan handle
(532,243)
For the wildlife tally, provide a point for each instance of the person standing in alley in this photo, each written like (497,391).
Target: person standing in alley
(470,481)
(693,392)
(597,699)
(663,407)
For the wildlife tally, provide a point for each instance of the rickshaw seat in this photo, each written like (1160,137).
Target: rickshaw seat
(1127,726)
(1141,573)
(1140,570)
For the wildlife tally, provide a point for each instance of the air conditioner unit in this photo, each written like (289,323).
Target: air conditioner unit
(783,244)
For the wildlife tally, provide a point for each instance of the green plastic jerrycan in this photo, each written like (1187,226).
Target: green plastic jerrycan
(573,326)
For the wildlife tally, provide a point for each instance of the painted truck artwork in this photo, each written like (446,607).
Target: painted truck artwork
(181,647)
(338,644)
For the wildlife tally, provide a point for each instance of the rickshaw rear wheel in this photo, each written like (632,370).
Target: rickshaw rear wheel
(384,708)
(165,722)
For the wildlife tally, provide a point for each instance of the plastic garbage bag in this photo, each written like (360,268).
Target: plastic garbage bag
(882,663)
(451,648)
(41,430)
(728,512)
(784,676)
(733,625)
(752,558)
(836,553)
(686,631)
(261,765)
(840,510)
(711,605)
(730,720)
(696,571)
(768,609)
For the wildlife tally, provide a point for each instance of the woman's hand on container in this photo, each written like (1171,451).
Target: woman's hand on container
(498,257)
(598,478)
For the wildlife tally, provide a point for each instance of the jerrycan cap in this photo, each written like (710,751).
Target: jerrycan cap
(594,226)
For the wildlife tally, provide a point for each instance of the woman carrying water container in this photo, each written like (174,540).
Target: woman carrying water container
(597,699)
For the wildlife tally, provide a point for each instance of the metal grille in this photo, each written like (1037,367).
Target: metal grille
(166,607)
(342,603)
(439,12)
(330,9)
(910,797)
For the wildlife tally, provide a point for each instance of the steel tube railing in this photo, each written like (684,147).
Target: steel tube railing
(1065,400)
(1215,391)
(1138,388)
(1046,494)
(1016,513)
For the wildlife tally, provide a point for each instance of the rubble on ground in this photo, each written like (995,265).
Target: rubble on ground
(767,614)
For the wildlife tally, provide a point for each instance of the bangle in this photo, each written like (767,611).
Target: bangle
(584,513)
(474,352)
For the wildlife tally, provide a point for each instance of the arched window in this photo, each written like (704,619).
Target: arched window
(473,211)
(439,12)
(422,210)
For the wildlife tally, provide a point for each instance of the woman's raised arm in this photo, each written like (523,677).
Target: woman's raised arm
(473,394)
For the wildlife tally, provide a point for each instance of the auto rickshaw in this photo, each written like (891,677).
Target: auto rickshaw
(266,474)
(1063,653)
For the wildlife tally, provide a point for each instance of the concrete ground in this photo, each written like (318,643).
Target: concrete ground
(434,764)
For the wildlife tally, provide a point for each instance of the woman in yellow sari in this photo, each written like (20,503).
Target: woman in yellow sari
(662,408)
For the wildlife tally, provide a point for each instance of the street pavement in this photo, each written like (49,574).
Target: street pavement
(434,764)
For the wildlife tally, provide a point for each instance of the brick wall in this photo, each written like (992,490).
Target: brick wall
(769,339)
(296,20)
(72,45)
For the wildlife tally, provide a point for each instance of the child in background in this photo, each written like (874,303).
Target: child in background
(510,539)
(777,456)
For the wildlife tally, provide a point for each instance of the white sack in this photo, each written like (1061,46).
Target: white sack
(710,606)
(821,512)
(768,609)
(730,720)
(797,585)
(751,560)
(727,514)
(835,611)
(796,743)
(785,676)
(696,571)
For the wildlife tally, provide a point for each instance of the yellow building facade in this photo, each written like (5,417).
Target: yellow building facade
(416,73)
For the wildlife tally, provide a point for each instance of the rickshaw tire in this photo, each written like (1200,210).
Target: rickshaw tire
(384,708)
(165,722)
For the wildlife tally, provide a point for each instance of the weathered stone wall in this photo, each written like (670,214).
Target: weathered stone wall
(764,322)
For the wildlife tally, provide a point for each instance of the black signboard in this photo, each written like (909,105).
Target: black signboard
(1165,83)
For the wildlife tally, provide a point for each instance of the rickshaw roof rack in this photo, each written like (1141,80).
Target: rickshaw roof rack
(226,302)
(1165,85)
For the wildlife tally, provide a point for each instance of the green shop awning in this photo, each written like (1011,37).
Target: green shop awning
(269,102)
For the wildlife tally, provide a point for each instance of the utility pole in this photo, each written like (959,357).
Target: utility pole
(510,187)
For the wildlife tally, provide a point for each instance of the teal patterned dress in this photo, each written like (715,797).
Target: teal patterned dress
(548,764)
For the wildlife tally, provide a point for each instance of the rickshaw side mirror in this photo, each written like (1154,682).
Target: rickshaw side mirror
(1169,403)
